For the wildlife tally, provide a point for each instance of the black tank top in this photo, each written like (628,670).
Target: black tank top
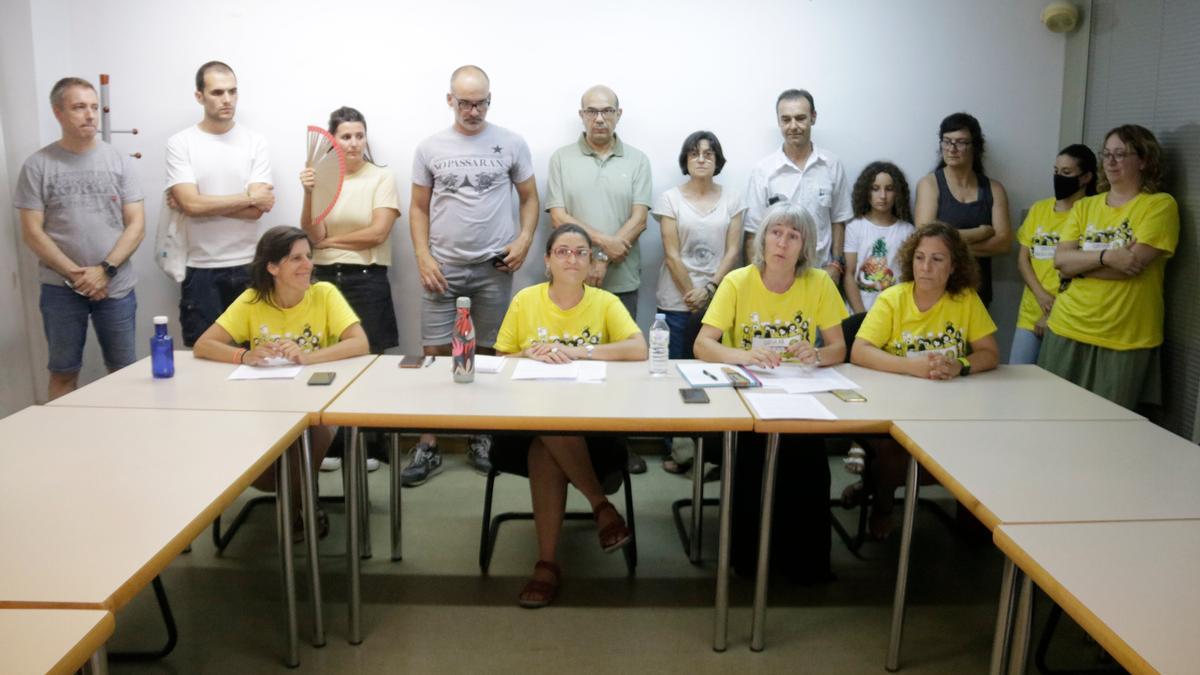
(965,216)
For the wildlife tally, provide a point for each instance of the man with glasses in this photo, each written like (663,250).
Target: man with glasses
(803,174)
(602,184)
(464,237)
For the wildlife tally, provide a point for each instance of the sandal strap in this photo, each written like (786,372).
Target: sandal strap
(549,567)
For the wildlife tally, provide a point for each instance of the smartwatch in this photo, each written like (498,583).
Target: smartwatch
(109,268)
(966,366)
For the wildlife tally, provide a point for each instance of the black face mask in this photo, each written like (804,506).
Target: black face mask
(1065,186)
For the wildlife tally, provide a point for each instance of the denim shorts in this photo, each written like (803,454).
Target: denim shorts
(367,290)
(205,294)
(65,318)
(490,291)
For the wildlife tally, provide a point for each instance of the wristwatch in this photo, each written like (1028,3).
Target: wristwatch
(599,255)
(966,366)
(109,268)
(589,349)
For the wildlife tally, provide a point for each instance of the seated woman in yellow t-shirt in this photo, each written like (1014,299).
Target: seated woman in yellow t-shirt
(558,322)
(761,315)
(1107,325)
(283,315)
(933,326)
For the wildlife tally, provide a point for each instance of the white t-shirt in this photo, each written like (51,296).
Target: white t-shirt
(701,241)
(371,187)
(876,248)
(219,164)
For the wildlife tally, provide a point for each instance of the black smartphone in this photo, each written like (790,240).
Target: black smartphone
(412,361)
(321,379)
(498,263)
(693,395)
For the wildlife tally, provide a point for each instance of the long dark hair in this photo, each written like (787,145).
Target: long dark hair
(960,121)
(860,196)
(1086,159)
(274,246)
(348,114)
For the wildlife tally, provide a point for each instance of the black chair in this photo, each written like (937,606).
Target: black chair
(516,462)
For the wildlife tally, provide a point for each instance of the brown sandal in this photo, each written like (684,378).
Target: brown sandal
(615,535)
(537,593)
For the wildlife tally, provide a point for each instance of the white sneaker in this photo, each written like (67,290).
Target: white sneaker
(372,465)
(331,463)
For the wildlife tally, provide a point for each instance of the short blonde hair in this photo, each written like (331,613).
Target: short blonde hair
(798,219)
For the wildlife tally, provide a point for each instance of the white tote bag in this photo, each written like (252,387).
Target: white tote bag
(171,242)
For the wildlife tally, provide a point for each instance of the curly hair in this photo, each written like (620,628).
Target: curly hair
(860,196)
(964,271)
(1140,140)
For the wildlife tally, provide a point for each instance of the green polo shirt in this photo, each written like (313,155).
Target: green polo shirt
(601,194)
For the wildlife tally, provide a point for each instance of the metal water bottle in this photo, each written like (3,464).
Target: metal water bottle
(162,350)
(462,343)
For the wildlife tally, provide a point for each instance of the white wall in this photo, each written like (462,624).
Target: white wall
(883,73)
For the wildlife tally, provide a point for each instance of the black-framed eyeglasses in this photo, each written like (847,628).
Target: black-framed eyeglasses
(465,105)
(956,144)
(592,113)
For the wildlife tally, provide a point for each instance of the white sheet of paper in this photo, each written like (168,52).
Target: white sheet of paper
(787,407)
(265,373)
(528,369)
(486,363)
(592,371)
(694,374)
(798,380)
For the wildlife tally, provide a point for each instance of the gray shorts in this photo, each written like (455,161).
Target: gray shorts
(490,291)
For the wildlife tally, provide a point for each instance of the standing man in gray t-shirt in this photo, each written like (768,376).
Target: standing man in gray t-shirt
(464,236)
(81,214)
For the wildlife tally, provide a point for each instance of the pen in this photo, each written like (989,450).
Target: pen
(714,377)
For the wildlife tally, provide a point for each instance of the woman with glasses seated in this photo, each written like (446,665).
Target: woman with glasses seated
(1106,327)
(779,309)
(933,326)
(284,316)
(959,193)
(560,321)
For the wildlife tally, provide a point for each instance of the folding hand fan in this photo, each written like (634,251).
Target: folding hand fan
(328,161)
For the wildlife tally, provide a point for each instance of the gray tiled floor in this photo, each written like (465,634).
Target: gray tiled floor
(433,612)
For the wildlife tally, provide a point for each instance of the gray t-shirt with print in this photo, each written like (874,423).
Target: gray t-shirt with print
(472,211)
(81,197)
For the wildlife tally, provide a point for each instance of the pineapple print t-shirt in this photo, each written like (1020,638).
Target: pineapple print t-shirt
(316,322)
(751,315)
(1040,233)
(1118,314)
(599,318)
(876,247)
(897,326)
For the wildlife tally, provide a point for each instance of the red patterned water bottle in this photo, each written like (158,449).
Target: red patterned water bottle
(462,343)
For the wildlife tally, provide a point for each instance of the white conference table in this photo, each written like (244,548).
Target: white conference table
(1047,472)
(55,641)
(1006,393)
(1134,586)
(629,400)
(200,384)
(108,497)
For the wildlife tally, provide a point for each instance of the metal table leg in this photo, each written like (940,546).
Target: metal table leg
(721,625)
(308,498)
(283,509)
(1004,616)
(758,624)
(353,530)
(697,502)
(1022,626)
(98,663)
(911,487)
(364,496)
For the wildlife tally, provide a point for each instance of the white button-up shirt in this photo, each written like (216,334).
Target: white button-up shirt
(820,187)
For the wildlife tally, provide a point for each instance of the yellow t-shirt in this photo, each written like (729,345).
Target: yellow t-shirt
(598,319)
(749,314)
(1040,233)
(896,326)
(371,187)
(316,322)
(1118,314)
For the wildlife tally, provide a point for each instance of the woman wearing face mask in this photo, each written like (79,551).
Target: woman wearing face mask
(1074,178)
(959,193)
(1106,327)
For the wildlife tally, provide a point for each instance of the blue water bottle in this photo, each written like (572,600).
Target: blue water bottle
(162,350)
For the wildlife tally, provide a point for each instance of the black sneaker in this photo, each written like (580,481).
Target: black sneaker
(479,449)
(423,463)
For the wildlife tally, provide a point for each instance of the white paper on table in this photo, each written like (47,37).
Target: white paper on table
(486,363)
(528,369)
(704,374)
(592,371)
(801,380)
(787,407)
(245,372)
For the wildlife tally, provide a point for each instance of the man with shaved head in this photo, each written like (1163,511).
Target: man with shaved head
(465,239)
(602,184)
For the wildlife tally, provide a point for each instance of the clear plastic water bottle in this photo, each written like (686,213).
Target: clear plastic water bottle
(462,343)
(162,350)
(660,339)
